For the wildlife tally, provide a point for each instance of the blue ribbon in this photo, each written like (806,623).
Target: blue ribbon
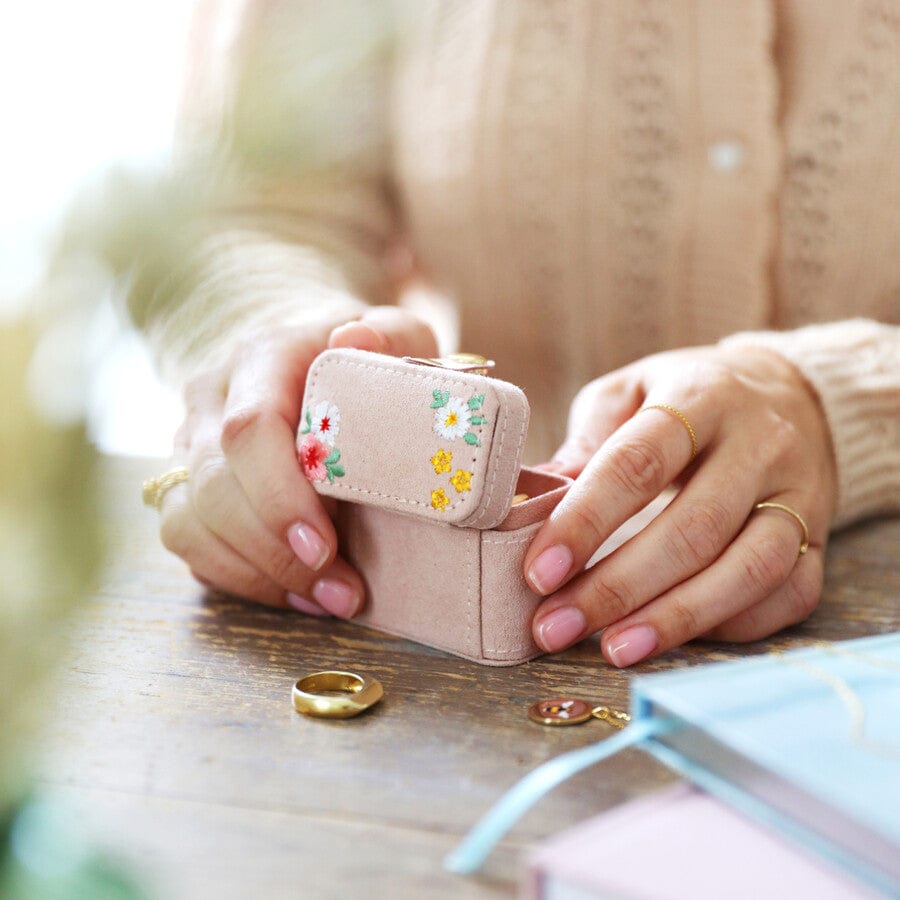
(481,840)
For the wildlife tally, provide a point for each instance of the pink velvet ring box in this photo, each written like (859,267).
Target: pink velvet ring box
(426,462)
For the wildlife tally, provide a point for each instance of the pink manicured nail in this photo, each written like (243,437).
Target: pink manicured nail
(336,596)
(550,568)
(561,628)
(632,645)
(301,604)
(308,544)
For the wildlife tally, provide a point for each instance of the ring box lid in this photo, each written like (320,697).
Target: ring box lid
(425,441)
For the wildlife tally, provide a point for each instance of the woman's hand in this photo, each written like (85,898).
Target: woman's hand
(247,521)
(709,565)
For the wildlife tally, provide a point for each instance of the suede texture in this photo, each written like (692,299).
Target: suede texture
(456,589)
(424,441)
(426,515)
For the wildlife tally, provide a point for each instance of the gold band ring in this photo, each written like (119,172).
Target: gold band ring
(155,488)
(335,695)
(681,418)
(768,504)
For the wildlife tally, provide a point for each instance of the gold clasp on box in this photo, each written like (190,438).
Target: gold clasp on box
(457,362)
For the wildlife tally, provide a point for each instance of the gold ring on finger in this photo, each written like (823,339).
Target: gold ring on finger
(769,504)
(155,488)
(681,418)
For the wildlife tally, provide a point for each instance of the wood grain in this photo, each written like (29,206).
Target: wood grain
(174,742)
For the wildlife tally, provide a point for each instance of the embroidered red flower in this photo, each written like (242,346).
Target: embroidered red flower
(318,456)
(312,453)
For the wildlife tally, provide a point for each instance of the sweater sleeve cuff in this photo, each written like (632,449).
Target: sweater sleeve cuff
(854,367)
(238,284)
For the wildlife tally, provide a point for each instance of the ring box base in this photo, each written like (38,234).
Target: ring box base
(457,589)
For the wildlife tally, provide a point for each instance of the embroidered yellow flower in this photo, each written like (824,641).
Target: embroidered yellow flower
(439,499)
(441,461)
(462,481)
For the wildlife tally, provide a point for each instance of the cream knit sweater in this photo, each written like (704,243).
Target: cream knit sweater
(589,181)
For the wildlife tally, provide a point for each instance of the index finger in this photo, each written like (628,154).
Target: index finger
(639,460)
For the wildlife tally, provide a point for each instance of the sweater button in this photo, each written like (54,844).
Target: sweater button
(726,156)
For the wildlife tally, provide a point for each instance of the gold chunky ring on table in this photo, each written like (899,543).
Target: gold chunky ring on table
(681,418)
(768,504)
(155,488)
(335,695)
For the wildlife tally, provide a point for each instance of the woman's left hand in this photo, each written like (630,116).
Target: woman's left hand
(710,564)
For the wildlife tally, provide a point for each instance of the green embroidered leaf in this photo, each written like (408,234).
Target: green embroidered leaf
(333,457)
(471,439)
(308,426)
(476,401)
(477,420)
(337,471)
(440,398)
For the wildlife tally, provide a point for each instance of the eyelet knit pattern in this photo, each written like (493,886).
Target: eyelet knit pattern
(549,164)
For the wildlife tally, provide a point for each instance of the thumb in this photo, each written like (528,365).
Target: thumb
(389,330)
(599,408)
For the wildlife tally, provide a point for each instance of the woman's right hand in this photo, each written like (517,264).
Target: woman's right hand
(247,521)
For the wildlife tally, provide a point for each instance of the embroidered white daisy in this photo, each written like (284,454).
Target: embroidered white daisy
(325,423)
(452,419)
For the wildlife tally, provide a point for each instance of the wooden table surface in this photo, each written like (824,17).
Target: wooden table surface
(173,740)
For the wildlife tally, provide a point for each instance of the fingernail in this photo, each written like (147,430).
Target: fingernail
(301,604)
(308,544)
(561,628)
(632,645)
(336,596)
(375,341)
(550,568)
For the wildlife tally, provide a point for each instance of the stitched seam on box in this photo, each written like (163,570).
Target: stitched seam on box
(529,652)
(515,651)
(523,540)
(485,507)
(529,647)
(468,585)
(476,639)
(515,536)
(331,363)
